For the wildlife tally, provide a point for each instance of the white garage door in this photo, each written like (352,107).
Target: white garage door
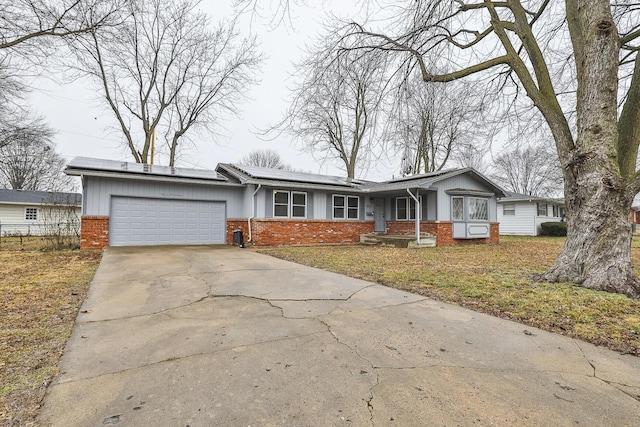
(140,221)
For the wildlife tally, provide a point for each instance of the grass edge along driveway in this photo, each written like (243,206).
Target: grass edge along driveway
(40,295)
(492,279)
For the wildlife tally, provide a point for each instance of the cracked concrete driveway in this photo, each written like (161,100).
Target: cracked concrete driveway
(218,336)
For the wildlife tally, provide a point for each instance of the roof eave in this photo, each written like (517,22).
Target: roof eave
(148,177)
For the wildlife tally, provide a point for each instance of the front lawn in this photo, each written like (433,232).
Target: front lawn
(493,279)
(40,294)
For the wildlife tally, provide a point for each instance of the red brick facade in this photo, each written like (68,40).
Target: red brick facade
(94,232)
(234,224)
(275,232)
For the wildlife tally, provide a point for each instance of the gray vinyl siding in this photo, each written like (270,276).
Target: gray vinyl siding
(320,205)
(100,190)
(460,182)
(430,210)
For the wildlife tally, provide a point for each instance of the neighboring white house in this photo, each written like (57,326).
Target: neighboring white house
(35,212)
(519,214)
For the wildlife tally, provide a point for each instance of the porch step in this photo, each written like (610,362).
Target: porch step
(398,241)
(366,239)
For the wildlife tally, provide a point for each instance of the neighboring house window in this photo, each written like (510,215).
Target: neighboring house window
(542,209)
(345,207)
(561,212)
(31,214)
(509,209)
(478,209)
(555,211)
(457,208)
(406,208)
(289,204)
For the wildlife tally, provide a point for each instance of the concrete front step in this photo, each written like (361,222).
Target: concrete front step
(399,241)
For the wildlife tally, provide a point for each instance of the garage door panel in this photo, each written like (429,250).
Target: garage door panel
(141,221)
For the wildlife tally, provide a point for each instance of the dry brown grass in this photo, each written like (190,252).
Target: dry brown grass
(493,279)
(40,294)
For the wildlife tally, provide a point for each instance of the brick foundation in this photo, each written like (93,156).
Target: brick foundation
(276,232)
(94,232)
(442,230)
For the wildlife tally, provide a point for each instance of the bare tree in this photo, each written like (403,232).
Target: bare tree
(429,123)
(28,21)
(265,159)
(580,53)
(12,93)
(335,107)
(470,155)
(163,71)
(28,160)
(533,171)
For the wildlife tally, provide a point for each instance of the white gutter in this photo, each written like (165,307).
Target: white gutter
(417,215)
(253,209)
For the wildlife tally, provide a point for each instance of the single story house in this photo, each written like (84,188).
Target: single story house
(34,212)
(520,214)
(138,204)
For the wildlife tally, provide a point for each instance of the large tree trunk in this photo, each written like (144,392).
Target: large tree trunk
(597,253)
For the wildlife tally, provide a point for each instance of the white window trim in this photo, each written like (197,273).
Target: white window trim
(509,212)
(26,210)
(345,207)
(465,209)
(282,204)
(409,200)
(290,204)
(546,209)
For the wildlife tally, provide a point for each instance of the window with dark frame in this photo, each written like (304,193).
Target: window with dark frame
(406,208)
(281,204)
(31,214)
(346,207)
(542,209)
(289,204)
(401,208)
(298,205)
(353,207)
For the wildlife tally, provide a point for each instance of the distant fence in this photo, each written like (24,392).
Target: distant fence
(39,228)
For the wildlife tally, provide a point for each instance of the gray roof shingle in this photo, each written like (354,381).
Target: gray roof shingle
(40,197)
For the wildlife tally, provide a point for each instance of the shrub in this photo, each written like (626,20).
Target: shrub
(554,228)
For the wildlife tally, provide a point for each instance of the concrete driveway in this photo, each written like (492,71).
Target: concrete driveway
(218,336)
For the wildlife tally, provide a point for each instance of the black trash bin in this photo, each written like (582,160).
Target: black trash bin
(238,239)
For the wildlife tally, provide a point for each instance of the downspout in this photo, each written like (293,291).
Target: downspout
(253,209)
(418,207)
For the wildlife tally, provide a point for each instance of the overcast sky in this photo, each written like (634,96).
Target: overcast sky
(83,125)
